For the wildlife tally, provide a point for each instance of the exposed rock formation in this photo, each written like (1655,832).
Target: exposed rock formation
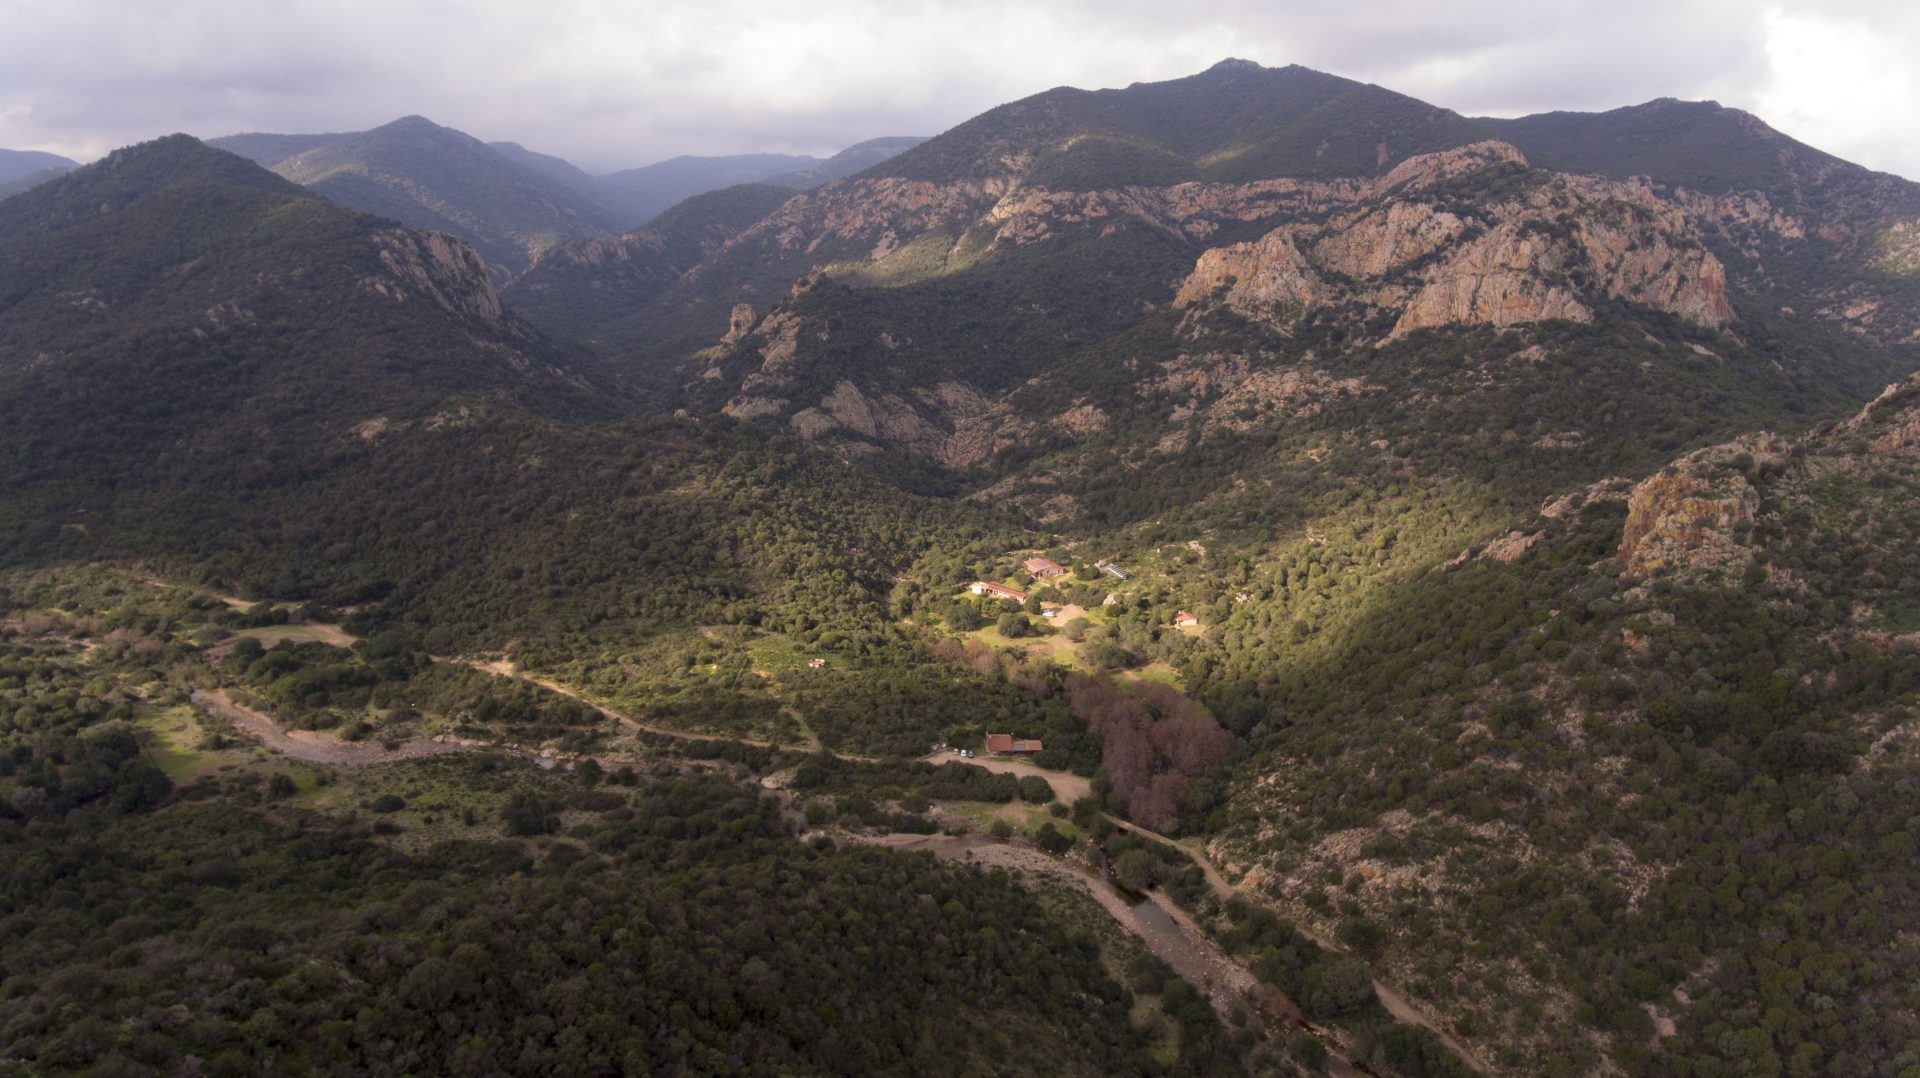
(1470,236)
(871,219)
(740,322)
(1529,252)
(1892,421)
(1380,242)
(1237,393)
(439,267)
(888,419)
(1502,279)
(1268,278)
(1687,515)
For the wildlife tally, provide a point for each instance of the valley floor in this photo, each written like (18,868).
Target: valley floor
(1168,932)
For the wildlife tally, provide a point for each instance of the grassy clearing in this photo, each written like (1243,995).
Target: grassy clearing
(270,635)
(1053,647)
(178,741)
(777,654)
(923,258)
(1025,818)
(1156,671)
(979,815)
(1833,498)
(449,797)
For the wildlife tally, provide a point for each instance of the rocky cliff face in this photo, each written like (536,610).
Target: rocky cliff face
(439,268)
(1686,516)
(1527,247)
(1891,423)
(1691,514)
(1268,278)
(877,217)
(865,211)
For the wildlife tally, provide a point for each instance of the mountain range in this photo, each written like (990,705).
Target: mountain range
(1478,547)
(23,170)
(512,203)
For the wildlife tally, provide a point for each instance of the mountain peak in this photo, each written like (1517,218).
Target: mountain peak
(127,175)
(411,120)
(1234,122)
(1233,64)
(176,144)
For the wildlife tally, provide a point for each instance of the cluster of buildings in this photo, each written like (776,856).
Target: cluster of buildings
(1042,569)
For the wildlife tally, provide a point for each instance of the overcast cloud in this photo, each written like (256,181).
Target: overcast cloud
(610,84)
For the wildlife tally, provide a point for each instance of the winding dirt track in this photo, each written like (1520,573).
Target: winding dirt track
(1182,946)
(505,668)
(1165,930)
(1067,788)
(1189,951)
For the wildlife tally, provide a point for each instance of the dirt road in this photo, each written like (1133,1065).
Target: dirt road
(1167,931)
(1182,946)
(1398,1005)
(315,747)
(318,748)
(505,668)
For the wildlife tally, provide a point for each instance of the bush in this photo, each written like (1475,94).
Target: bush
(1417,1053)
(1035,790)
(1148,973)
(526,814)
(961,617)
(1136,869)
(1362,935)
(387,803)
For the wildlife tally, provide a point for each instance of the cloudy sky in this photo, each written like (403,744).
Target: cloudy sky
(616,83)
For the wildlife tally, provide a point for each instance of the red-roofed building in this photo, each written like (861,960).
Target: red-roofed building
(1008,745)
(1184,620)
(1042,568)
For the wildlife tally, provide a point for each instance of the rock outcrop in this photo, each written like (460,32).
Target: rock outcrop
(1469,236)
(1535,246)
(1505,278)
(1891,423)
(1689,514)
(1269,278)
(440,268)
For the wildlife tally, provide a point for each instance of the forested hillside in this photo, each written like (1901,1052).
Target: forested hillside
(223,912)
(1641,764)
